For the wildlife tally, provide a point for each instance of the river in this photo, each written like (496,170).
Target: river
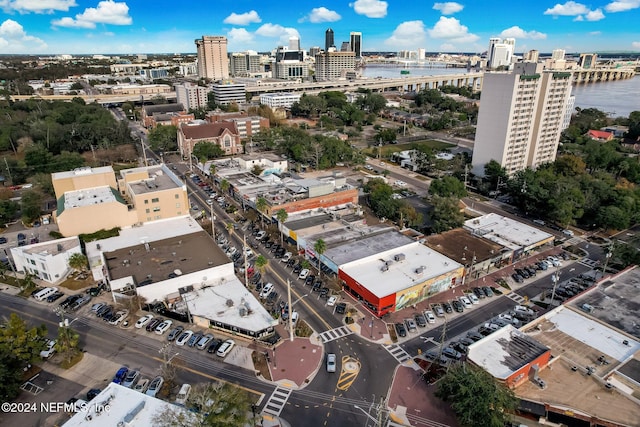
(617,98)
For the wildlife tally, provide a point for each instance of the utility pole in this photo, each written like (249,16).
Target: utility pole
(290,310)
(246,266)
(8,171)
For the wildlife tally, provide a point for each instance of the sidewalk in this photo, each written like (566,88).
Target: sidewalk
(294,363)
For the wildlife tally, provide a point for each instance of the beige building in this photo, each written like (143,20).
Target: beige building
(213,62)
(521,117)
(90,199)
(334,65)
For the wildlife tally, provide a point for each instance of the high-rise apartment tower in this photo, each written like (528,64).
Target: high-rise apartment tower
(213,62)
(355,41)
(521,116)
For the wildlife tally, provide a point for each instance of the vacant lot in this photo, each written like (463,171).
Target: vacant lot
(387,150)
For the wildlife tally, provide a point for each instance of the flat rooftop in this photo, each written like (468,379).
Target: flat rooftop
(53,247)
(82,172)
(461,245)
(383,275)
(581,339)
(159,178)
(368,245)
(506,231)
(125,405)
(580,393)
(616,301)
(228,301)
(188,253)
(505,351)
(89,196)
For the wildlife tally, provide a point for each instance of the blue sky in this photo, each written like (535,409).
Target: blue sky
(163,26)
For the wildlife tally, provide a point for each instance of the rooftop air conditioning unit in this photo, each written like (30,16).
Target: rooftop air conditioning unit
(420,269)
(399,257)
(385,267)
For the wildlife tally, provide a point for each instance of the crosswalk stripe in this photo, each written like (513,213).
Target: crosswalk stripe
(397,352)
(277,400)
(334,334)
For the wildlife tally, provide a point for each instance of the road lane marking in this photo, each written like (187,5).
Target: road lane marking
(349,372)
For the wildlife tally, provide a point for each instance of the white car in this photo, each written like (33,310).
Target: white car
(567,232)
(466,302)
(49,349)
(143,321)
(225,348)
(430,316)
(248,252)
(155,386)
(368,167)
(303,274)
(474,299)
(163,327)
(332,301)
(261,235)
(266,290)
(184,337)
(400,183)
(555,261)
(286,257)
(119,317)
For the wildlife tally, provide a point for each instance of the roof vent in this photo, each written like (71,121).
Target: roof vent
(399,257)
(420,269)
(385,267)
(229,303)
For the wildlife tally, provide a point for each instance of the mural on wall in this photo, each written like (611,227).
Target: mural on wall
(420,292)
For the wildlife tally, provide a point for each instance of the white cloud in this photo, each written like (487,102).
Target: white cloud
(107,12)
(407,35)
(239,36)
(595,33)
(37,6)
(246,18)
(13,39)
(622,5)
(570,8)
(594,15)
(518,33)
(277,31)
(370,8)
(322,14)
(452,30)
(448,8)
(635,45)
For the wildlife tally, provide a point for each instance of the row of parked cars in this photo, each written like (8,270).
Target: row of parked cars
(525,272)
(132,379)
(52,294)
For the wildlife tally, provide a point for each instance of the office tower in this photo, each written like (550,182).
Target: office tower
(500,53)
(191,96)
(557,54)
(243,64)
(345,47)
(213,62)
(532,56)
(355,41)
(587,60)
(422,54)
(328,40)
(228,92)
(289,64)
(294,43)
(333,65)
(521,116)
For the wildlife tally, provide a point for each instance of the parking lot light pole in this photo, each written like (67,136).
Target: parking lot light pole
(291,331)
(555,278)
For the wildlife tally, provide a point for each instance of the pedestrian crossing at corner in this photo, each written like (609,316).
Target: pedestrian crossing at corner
(277,400)
(575,240)
(397,352)
(589,262)
(334,334)
(515,297)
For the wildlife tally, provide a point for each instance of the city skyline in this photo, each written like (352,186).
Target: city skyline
(127,27)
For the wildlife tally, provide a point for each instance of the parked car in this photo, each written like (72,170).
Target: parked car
(131,379)
(204,341)
(437,308)
(163,327)
(266,290)
(332,301)
(119,317)
(175,332)
(214,345)
(303,274)
(428,314)
(331,362)
(120,375)
(401,330)
(225,348)
(286,257)
(473,298)
(517,278)
(153,323)
(194,339)
(487,291)
(142,385)
(341,308)
(479,293)
(475,336)
(155,386)
(457,306)
(49,349)
(55,296)
(411,325)
(421,320)
(143,321)
(184,337)
(466,302)
(447,307)
(451,353)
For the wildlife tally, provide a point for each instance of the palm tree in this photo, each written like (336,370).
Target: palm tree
(78,262)
(261,206)
(261,264)
(320,247)
(212,170)
(282,216)
(67,342)
(224,186)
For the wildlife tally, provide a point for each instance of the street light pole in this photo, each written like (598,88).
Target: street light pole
(555,278)
(213,230)
(290,310)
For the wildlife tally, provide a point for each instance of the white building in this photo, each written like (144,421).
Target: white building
(191,96)
(279,100)
(521,116)
(334,65)
(500,53)
(228,92)
(557,54)
(48,261)
(515,235)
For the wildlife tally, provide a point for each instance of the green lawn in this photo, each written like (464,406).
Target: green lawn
(387,150)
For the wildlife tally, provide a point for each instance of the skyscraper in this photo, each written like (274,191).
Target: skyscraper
(213,62)
(333,65)
(191,95)
(521,116)
(355,41)
(328,39)
(294,43)
(500,52)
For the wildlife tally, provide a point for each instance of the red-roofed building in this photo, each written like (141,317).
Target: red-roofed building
(600,135)
(224,134)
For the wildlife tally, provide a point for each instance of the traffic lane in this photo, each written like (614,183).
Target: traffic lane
(457,325)
(536,287)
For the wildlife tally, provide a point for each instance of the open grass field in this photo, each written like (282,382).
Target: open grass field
(387,150)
